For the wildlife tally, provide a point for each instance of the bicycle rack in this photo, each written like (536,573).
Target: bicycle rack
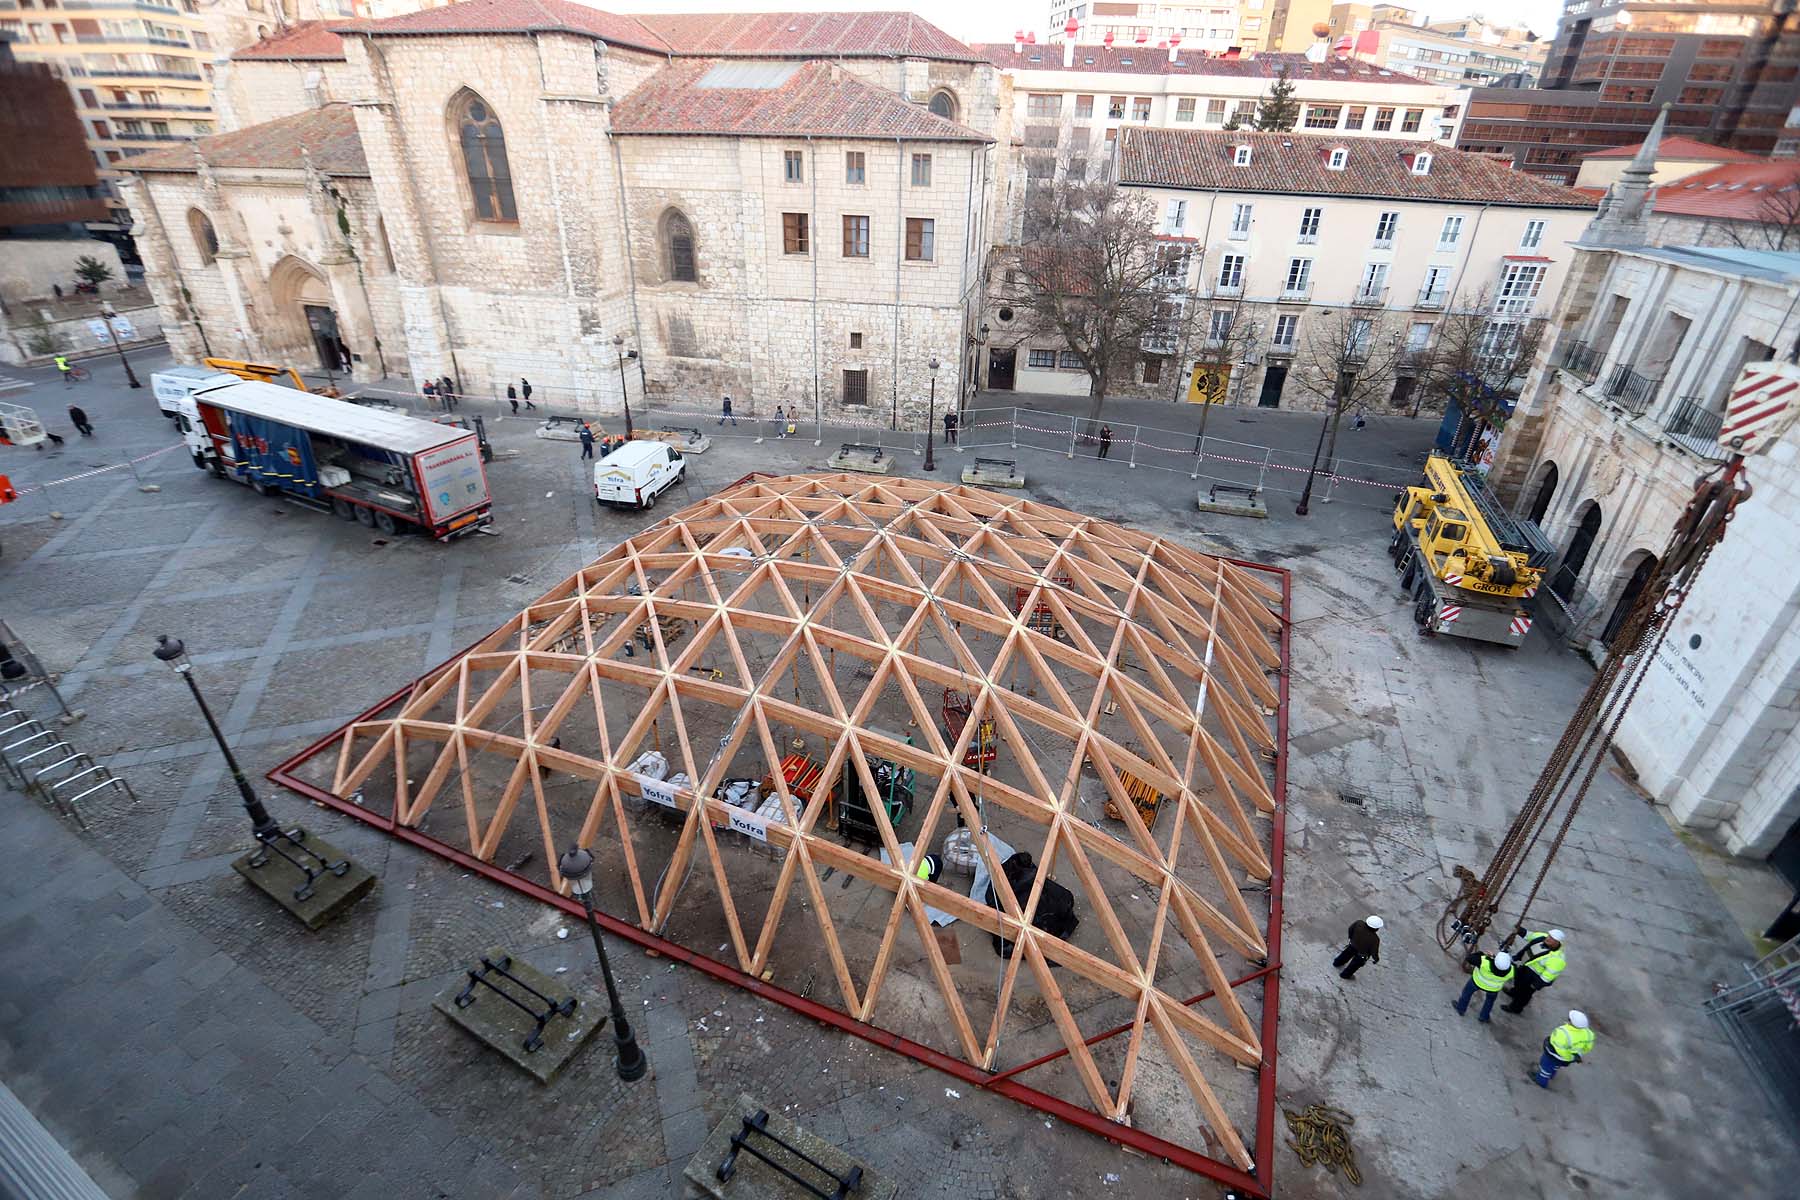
(20,755)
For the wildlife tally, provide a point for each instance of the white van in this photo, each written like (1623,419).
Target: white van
(177,383)
(637,473)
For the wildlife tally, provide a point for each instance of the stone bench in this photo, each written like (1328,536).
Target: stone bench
(861,456)
(1233,499)
(994,472)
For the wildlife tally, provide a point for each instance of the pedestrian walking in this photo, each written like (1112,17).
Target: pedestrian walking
(950,424)
(64,369)
(587,440)
(1105,440)
(512,398)
(1364,946)
(725,412)
(1540,962)
(343,358)
(1487,975)
(78,418)
(447,390)
(525,392)
(1359,422)
(1568,1043)
(429,391)
(780,423)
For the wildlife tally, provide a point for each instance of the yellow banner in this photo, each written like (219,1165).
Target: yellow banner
(1208,383)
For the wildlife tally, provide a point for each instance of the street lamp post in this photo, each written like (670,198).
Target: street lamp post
(269,835)
(624,391)
(108,313)
(577,866)
(931,415)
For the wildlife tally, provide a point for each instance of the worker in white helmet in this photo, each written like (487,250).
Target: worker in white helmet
(1540,962)
(1364,946)
(1487,975)
(1567,1043)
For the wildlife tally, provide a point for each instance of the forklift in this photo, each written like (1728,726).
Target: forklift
(894,792)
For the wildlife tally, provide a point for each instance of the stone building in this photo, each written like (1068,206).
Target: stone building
(1282,232)
(1619,419)
(789,208)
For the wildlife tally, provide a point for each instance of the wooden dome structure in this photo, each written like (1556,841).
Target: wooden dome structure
(762,713)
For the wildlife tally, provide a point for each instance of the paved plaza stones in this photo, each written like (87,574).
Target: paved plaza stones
(183,1038)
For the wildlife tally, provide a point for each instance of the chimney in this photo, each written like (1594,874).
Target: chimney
(1174,46)
(1031,38)
(1069,32)
(1107,41)
(1018,41)
(1143,37)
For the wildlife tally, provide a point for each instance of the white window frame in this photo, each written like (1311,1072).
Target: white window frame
(1310,219)
(1231,273)
(1390,221)
(1533,237)
(1421,164)
(1241,217)
(1240,156)
(1299,277)
(1288,323)
(1338,160)
(1450,233)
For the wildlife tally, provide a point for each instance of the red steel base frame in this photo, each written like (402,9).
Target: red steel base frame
(1260,1183)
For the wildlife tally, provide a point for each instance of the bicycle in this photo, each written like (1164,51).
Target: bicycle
(76,375)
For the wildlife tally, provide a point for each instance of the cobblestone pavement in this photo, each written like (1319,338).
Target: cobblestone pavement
(184,1039)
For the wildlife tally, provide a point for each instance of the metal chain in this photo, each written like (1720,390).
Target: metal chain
(1599,715)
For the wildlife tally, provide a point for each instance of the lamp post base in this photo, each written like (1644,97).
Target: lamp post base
(304,876)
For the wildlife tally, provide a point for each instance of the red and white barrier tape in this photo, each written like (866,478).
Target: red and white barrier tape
(38,487)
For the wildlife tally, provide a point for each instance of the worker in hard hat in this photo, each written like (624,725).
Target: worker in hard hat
(930,867)
(1540,962)
(1569,1042)
(1364,946)
(1487,974)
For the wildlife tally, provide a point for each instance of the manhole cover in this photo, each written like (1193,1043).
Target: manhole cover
(516,579)
(1356,798)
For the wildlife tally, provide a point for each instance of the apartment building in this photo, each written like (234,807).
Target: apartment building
(1062,108)
(1464,52)
(1730,73)
(1622,414)
(1215,28)
(1287,230)
(141,71)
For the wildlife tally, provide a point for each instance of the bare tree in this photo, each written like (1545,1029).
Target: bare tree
(1095,276)
(1776,225)
(1350,357)
(1478,357)
(1224,336)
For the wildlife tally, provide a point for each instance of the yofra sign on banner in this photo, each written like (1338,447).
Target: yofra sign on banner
(1207,384)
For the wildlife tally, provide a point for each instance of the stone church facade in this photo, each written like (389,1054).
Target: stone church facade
(789,208)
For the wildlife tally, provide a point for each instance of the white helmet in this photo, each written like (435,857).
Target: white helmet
(1373,922)
(1577,1018)
(1557,935)
(1502,960)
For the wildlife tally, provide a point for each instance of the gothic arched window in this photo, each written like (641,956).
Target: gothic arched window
(484,160)
(679,263)
(206,239)
(944,105)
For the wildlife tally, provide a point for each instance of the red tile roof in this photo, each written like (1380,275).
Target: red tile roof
(1144,60)
(806,34)
(327,133)
(309,41)
(774,100)
(1294,164)
(1679,149)
(1758,190)
(712,35)
(515,16)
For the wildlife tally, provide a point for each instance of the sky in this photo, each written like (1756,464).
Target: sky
(995,20)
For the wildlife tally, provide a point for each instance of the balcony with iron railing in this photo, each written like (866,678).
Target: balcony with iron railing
(1228,289)
(1694,425)
(1294,293)
(1278,349)
(1432,298)
(1630,390)
(1582,361)
(1367,297)
(152,106)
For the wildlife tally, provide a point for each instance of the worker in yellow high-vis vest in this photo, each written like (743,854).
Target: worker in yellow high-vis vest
(1540,962)
(1567,1043)
(1487,975)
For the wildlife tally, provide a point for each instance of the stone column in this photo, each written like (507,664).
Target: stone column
(237,269)
(181,326)
(355,325)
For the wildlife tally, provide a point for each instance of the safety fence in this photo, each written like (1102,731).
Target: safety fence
(1207,459)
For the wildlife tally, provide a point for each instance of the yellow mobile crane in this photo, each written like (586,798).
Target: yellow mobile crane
(257,372)
(1466,562)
